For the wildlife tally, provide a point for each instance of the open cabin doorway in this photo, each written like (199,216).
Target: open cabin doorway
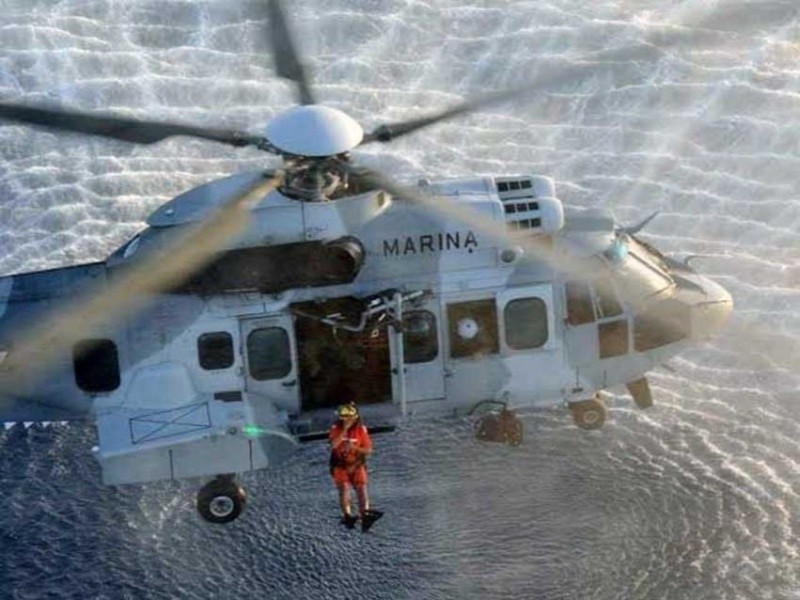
(336,363)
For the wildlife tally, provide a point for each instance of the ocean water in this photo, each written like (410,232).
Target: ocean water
(689,108)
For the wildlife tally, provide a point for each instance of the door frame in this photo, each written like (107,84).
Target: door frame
(282,391)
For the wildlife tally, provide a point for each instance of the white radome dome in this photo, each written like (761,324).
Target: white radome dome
(313,130)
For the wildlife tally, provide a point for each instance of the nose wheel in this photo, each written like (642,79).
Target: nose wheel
(503,427)
(588,414)
(221,500)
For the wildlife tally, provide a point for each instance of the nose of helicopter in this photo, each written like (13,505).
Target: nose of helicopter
(711,313)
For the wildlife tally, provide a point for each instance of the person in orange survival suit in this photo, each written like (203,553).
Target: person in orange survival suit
(350,446)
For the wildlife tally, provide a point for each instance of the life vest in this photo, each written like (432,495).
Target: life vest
(344,455)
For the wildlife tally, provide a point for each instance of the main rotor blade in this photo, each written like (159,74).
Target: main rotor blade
(550,77)
(129,130)
(390,131)
(284,52)
(38,347)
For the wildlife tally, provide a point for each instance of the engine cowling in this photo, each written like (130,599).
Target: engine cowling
(530,204)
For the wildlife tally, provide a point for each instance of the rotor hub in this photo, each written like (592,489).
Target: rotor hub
(314,131)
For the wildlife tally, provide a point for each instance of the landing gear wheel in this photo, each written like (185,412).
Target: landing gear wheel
(501,427)
(485,429)
(221,500)
(588,414)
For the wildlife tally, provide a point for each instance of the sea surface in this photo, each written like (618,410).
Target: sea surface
(688,108)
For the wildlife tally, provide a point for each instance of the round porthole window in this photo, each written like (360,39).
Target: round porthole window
(467,328)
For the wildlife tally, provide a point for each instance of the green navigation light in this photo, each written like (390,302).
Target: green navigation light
(251,430)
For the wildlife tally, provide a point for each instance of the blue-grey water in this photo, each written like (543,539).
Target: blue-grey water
(691,108)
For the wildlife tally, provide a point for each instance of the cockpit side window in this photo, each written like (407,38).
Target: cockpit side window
(643,275)
(612,330)
(613,338)
(651,252)
(579,303)
(664,322)
(606,301)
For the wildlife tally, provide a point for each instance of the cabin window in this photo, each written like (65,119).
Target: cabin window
(269,353)
(96,365)
(613,338)
(473,328)
(420,337)
(606,301)
(526,323)
(215,350)
(579,303)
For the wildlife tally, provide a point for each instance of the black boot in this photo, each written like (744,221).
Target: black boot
(369,519)
(349,521)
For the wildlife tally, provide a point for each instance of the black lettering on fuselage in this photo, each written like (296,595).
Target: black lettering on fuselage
(430,243)
(391,248)
(453,241)
(471,242)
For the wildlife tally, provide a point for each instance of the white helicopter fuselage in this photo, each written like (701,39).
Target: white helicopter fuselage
(431,317)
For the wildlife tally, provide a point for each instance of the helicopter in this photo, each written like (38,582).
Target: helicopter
(220,337)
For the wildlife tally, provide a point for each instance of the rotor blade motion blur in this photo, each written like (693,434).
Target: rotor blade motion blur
(284,53)
(391,131)
(36,348)
(549,78)
(128,130)
(442,206)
